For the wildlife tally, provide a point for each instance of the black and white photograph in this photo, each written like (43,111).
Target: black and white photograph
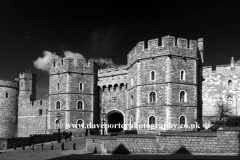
(101,79)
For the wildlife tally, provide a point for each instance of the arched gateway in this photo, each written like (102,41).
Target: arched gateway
(114,118)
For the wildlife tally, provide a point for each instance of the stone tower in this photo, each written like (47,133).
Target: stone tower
(162,82)
(8,108)
(72,92)
(27,87)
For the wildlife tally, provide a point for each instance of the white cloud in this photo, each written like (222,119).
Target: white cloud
(42,63)
(73,55)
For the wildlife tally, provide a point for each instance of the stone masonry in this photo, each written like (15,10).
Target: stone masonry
(161,83)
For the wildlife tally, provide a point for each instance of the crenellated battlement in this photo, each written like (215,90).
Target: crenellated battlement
(108,70)
(71,65)
(5,83)
(183,47)
(28,75)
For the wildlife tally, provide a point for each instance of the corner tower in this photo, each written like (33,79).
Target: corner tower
(72,92)
(162,82)
(8,108)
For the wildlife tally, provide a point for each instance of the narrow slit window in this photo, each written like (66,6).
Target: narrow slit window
(81,86)
(183,96)
(182,75)
(152,75)
(40,112)
(58,105)
(152,97)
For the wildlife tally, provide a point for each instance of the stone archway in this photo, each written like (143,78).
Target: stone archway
(113,119)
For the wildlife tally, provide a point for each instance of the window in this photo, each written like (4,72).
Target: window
(152,120)
(6,94)
(80,86)
(62,61)
(152,76)
(182,120)
(21,84)
(229,100)
(182,75)
(58,105)
(40,102)
(152,97)
(131,100)
(58,87)
(53,63)
(131,122)
(80,123)
(230,84)
(132,81)
(40,112)
(182,96)
(80,105)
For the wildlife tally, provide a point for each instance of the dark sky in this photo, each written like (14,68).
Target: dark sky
(110,29)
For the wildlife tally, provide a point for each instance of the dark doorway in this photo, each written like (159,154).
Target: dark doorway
(115,118)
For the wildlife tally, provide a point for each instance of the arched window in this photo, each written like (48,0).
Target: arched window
(80,86)
(230,84)
(152,97)
(80,123)
(62,61)
(182,96)
(132,81)
(80,105)
(121,86)
(53,63)
(6,94)
(182,75)
(152,76)
(152,120)
(131,100)
(229,100)
(58,105)
(58,86)
(182,120)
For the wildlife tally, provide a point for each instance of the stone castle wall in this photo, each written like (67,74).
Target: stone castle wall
(196,142)
(32,118)
(215,87)
(8,108)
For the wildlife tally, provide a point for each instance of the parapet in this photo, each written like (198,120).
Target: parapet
(168,42)
(28,75)
(116,70)
(12,84)
(70,65)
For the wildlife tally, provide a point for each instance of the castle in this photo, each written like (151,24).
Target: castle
(160,84)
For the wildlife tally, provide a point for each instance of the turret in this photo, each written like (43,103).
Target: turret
(201,48)
(27,86)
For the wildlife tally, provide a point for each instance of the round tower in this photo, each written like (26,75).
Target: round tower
(27,86)
(8,108)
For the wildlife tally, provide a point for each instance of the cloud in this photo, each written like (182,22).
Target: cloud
(104,62)
(42,63)
(73,55)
